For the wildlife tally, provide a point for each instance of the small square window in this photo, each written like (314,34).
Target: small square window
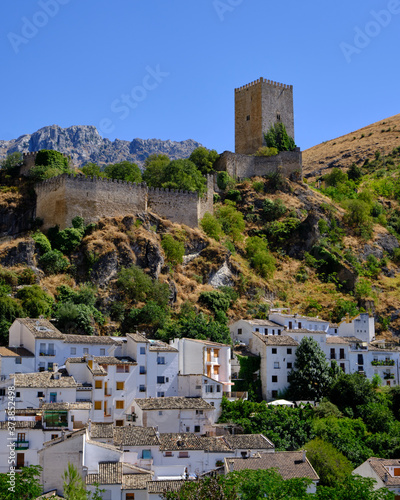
(274,350)
(160,380)
(142,350)
(197,428)
(274,378)
(142,370)
(73,350)
(98,384)
(160,413)
(274,394)
(119,423)
(97,405)
(54,436)
(18,360)
(119,405)
(17,394)
(160,394)
(120,386)
(276,364)
(102,352)
(239,331)
(289,366)
(142,388)
(40,394)
(289,351)
(86,350)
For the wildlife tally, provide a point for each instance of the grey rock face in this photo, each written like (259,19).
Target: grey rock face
(84,144)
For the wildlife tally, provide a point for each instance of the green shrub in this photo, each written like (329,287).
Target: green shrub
(234,195)
(174,250)
(8,277)
(204,159)
(151,317)
(138,286)
(335,177)
(215,301)
(258,186)
(231,220)
(279,231)
(224,181)
(278,138)
(86,294)
(53,262)
(42,242)
(266,151)
(125,171)
(77,318)
(260,257)
(26,277)
(211,226)
(396,255)
(35,301)
(273,210)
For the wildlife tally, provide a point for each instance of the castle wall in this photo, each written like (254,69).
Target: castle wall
(62,198)
(258,105)
(177,206)
(239,166)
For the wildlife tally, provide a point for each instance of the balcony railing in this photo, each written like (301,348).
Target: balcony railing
(382,362)
(21,445)
(235,395)
(47,353)
(107,392)
(388,376)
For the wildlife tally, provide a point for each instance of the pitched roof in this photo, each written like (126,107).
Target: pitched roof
(41,328)
(276,340)
(248,441)
(113,473)
(112,360)
(15,352)
(71,338)
(289,464)
(21,424)
(158,345)
(173,403)
(135,436)
(161,486)
(293,331)
(336,340)
(43,380)
(101,430)
(67,406)
(264,322)
(381,467)
(185,441)
(207,342)
(298,316)
(136,481)
(137,337)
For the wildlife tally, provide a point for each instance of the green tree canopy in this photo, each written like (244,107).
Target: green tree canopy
(204,159)
(154,169)
(310,378)
(27,484)
(277,137)
(49,163)
(183,174)
(124,171)
(92,170)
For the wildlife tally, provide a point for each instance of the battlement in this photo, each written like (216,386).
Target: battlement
(264,80)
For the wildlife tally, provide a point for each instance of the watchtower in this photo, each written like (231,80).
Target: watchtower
(258,105)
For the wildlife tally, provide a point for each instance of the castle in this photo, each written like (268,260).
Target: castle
(258,105)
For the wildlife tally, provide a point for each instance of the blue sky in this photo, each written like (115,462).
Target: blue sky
(176,63)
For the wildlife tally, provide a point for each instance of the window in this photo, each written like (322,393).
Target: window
(274,351)
(160,394)
(197,428)
(278,117)
(360,359)
(276,364)
(102,352)
(248,118)
(160,413)
(160,380)
(239,331)
(53,397)
(86,350)
(3,391)
(119,423)
(142,350)
(73,350)
(216,370)
(120,386)
(274,394)
(130,496)
(257,329)
(274,378)
(97,405)
(98,384)
(122,368)
(341,355)
(40,394)
(161,360)
(54,436)
(199,412)
(119,405)
(289,366)
(146,454)
(198,387)
(218,388)
(183,454)
(142,370)
(289,351)
(209,388)
(290,325)
(279,332)
(342,366)
(17,394)
(333,353)
(168,454)
(142,388)
(212,403)
(50,366)
(18,360)
(21,436)
(299,326)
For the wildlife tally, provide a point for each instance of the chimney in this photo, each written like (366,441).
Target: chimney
(385,480)
(304,456)
(231,462)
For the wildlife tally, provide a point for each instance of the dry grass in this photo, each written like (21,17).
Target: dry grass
(51,283)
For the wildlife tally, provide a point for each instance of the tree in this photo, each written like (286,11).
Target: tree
(231,220)
(204,159)
(174,250)
(354,488)
(259,256)
(92,170)
(277,137)
(310,378)
(331,465)
(35,301)
(49,163)
(154,169)
(12,160)
(211,226)
(350,392)
(124,171)
(74,489)
(26,487)
(183,174)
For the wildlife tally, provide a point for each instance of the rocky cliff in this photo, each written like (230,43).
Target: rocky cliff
(84,144)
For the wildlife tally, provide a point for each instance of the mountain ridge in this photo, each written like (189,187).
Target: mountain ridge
(84,144)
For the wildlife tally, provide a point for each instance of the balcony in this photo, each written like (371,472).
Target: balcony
(47,353)
(107,392)
(383,362)
(233,396)
(388,376)
(21,445)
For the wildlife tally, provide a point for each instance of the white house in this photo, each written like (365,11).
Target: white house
(174,414)
(201,386)
(203,356)
(242,330)
(386,473)
(15,360)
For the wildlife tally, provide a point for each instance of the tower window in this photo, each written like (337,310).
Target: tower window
(248,118)
(278,117)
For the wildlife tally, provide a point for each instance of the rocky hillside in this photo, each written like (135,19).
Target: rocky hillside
(84,144)
(355,147)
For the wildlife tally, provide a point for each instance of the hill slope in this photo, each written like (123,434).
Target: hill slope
(355,147)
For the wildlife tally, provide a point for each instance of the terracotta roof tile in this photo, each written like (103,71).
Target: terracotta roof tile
(41,328)
(381,465)
(173,403)
(248,441)
(101,430)
(138,337)
(135,436)
(15,352)
(43,380)
(161,486)
(71,338)
(276,340)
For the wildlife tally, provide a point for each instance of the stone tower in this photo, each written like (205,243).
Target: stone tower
(258,105)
